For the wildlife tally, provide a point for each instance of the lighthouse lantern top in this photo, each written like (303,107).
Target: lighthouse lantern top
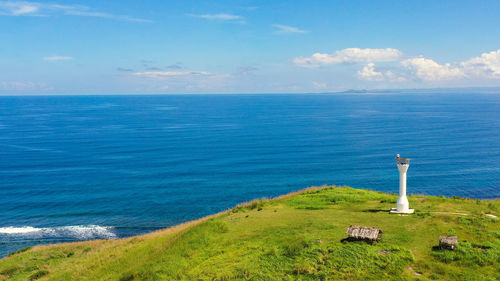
(402,161)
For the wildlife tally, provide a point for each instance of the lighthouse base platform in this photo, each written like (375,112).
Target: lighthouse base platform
(395,211)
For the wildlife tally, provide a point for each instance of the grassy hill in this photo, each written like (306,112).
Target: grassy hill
(294,237)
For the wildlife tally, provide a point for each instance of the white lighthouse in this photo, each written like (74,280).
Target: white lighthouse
(402,206)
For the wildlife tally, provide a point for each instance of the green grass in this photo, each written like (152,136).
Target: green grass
(294,237)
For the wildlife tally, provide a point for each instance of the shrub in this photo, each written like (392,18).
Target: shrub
(10,270)
(323,198)
(127,277)
(224,277)
(20,251)
(423,214)
(494,207)
(451,232)
(220,226)
(236,209)
(391,200)
(365,261)
(303,267)
(256,204)
(37,275)
(294,246)
(470,254)
(272,252)
(472,221)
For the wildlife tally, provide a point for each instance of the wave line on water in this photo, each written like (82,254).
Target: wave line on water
(80,232)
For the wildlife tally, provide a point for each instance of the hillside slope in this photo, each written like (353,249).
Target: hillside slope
(294,237)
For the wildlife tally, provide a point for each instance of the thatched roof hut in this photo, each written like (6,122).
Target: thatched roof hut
(355,232)
(448,242)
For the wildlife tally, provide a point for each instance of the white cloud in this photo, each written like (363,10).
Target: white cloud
(396,69)
(349,55)
(104,15)
(223,17)
(429,70)
(167,74)
(17,86)
(287,29)
(24,8)
(56,58)
(17,8)
(192,81)
(319,85)
(487,65)
(368,73)
(22,86)
(389,75)
(245,70)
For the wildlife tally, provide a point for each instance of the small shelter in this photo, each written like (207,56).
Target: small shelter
(363,233)
(448,242)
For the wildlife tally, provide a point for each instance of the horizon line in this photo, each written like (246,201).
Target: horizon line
(484,90)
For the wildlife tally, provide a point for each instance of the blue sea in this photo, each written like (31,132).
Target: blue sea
(85,167)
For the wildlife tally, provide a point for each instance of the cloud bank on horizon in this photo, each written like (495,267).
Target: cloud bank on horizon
(485,66)
(220,47)
(398,69)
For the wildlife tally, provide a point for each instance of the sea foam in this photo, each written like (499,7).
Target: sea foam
(18,230)
(79,232)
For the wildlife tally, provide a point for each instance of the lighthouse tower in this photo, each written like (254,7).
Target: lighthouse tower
(402,206)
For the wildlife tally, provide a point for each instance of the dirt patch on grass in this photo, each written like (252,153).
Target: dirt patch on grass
(414,272)
(384,252)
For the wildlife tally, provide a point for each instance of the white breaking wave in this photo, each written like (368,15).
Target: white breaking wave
(80,232)
(17,230)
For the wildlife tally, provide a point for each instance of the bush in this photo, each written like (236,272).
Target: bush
(220,226)
(423,214)
(10,270)
(389,200)
(255,204)
(127,277)
(39,274)
(473,221)
(366,261)
(317,199)
(20,251)
(494,207)
(272,252)
(294,246)
(304,267)
(470,254)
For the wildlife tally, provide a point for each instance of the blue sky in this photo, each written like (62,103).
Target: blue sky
(134,47)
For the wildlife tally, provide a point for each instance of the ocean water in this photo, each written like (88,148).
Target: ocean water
(84,167)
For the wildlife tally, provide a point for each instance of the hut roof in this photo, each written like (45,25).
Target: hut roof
(362,232)
(451,240)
